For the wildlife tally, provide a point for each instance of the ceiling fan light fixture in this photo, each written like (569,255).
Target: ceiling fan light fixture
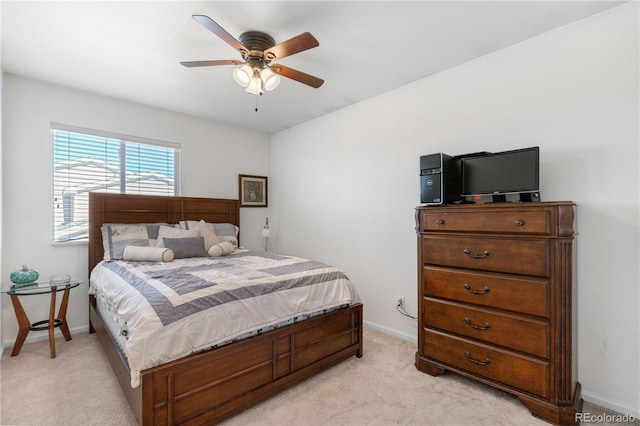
(269,78)
(255,86)
(243,75)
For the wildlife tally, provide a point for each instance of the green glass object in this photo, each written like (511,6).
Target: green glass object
(24,276)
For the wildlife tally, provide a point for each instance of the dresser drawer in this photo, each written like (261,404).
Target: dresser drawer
(508,292)
(512,332)
(525,257)
(511,222)
(518,371)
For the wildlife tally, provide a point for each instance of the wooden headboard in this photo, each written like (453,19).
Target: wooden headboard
(129,208)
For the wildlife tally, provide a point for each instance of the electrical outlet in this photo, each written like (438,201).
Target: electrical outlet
(400,301)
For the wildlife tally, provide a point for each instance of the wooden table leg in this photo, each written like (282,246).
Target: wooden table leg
(52,325)
(62,315)
(23,324)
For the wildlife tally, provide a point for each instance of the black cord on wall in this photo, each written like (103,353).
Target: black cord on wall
(400,307)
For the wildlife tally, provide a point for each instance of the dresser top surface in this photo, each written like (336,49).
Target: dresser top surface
(499,206)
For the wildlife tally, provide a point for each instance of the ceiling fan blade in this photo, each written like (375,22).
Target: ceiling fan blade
(191,64)
(304,78)
(297,44)
(212,26)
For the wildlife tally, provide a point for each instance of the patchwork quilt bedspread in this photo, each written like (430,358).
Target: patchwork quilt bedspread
(174,309)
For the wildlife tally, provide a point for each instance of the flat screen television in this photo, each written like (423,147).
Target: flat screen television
(501,173)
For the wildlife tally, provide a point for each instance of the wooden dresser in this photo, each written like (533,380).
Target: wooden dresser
(496,296)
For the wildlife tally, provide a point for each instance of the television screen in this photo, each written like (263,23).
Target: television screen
(501,173)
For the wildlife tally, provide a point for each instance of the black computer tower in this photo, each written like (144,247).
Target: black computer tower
(440,179)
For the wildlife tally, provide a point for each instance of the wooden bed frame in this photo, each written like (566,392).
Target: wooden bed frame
(207,387)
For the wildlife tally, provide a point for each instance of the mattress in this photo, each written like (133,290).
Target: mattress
(165,311)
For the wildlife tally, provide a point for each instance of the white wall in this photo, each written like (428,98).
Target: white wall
(1,179)
(344,186)
(212,157)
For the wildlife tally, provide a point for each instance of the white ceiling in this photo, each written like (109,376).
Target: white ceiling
(132,49)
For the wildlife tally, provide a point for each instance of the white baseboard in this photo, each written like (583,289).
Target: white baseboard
(611,405)
(390,331)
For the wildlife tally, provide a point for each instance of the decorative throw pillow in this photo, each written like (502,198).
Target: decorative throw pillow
(148,254)
(206,232)
(173,232)
(117,236)
(186,247)
(225,231)
(222,249)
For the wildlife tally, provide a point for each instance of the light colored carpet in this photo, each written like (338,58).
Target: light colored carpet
(75,388)
(382,388)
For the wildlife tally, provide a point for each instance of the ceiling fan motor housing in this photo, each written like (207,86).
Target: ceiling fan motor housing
(256,42)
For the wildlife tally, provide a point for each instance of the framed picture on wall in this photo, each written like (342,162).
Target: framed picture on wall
(253,191)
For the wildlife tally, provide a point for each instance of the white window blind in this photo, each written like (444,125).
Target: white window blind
(92,161)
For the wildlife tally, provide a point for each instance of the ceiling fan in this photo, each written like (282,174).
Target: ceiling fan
(258,51)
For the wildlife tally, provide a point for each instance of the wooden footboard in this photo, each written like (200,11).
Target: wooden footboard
(208,387)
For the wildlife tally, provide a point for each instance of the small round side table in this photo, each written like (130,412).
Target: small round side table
(60,320)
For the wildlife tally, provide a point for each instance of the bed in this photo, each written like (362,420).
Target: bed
(229,376)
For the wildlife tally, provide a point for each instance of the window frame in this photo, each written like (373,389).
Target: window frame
(125,141)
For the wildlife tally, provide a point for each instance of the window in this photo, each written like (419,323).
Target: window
(92,161)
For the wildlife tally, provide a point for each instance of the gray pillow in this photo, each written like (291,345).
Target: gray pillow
(186,247)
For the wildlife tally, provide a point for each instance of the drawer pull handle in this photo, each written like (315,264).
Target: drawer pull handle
(477,361)
(519,222)
(477,327)
(486,289)
(439,221)
(477,256)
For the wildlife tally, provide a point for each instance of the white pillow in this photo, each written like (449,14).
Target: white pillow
(148,254)
(222,249)
(206,231)
(224,231)
(172,232)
